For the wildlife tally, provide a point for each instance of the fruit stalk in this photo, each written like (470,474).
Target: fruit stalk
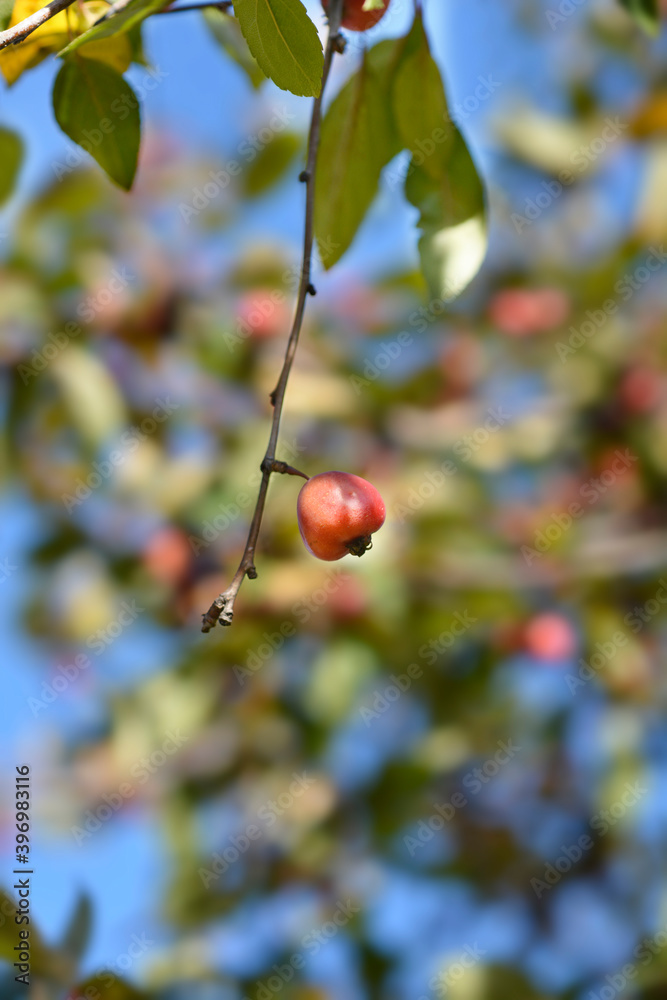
(222,608)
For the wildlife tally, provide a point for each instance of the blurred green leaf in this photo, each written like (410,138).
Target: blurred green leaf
(285,43)
(226,31)
(645,13)
(11,157)
(43,961)
(358,140)
(108,985)
(78,932)
(6,7)
(270,164)
(96,108)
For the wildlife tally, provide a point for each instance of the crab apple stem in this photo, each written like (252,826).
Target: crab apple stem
(222,608)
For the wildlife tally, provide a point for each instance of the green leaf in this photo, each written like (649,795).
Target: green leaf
(131,15)
(270,164)
(285,43)
(442,181)
(358,139)
(645,13)
(6,8)
(77,934)
(11,157)
(453,223)
(96,108)
(227,33)
(419,102)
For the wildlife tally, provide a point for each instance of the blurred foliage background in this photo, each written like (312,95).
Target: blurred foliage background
(436,771)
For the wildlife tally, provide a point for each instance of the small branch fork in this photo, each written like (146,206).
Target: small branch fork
(20,31)
(222,609)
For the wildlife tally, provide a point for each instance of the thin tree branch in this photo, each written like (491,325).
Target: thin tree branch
(222,608)
(219,5)
(11,36)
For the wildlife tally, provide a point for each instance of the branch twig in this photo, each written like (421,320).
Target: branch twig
(222,608)
(20,31)
(218,4)
(29,24)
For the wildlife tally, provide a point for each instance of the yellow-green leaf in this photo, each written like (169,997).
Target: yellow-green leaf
(11,157)
(285,43)
(130,15)
(358,138)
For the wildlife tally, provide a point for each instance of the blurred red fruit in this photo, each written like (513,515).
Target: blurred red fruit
(260,315)
(640,390)
(355,18)
(550,636)
(167,555)
(520,312)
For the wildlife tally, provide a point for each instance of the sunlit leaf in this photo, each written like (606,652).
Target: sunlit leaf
(358,139)
(96,108)
(558,145)
(442,180)
(226,31)
(92,398)
(452,220)
(285,43)
(11,157)
(50,36)
(127,18)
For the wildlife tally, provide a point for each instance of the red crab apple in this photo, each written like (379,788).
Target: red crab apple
(355,18)
(338,512)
